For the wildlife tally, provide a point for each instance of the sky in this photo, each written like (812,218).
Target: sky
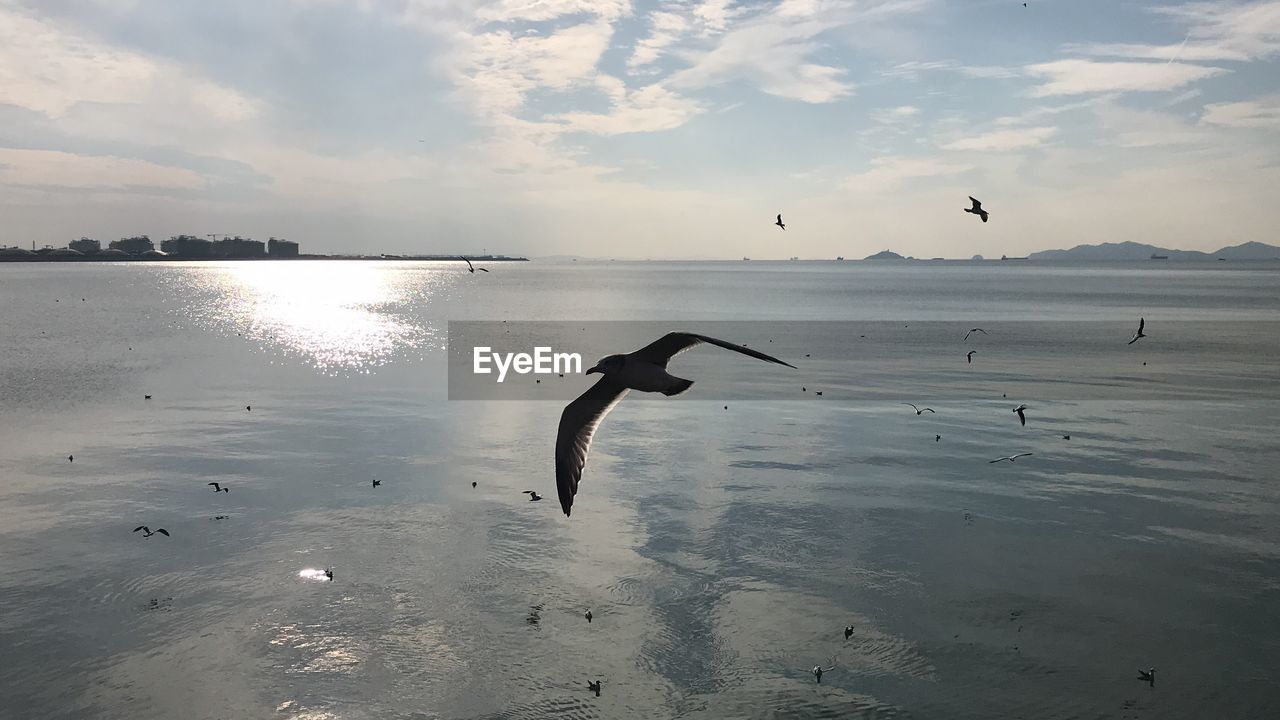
(628,129)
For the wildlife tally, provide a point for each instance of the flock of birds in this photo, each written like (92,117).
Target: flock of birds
(645,370)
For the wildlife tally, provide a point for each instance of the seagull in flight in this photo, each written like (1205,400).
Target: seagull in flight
(218,488)
(972,331)
(146,531)
(533,495)
(1011,458)
(1019,410)
(1142,322)
(970,355)
(920,411)
(977,209)
(470,267)
(1148,676)
(644,370)
(818,670)
(779,223)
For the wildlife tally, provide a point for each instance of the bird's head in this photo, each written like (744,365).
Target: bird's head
(609,365)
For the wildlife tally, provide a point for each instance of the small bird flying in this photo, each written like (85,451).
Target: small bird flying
(969,355)
(1020,410)
(977,209)
(920,411)
(146,531)
(972,331)
(1142,323)
(1011,458)
(644,370)
(818,670)
(470,267)
(533,495)
(218,488)
(779,222)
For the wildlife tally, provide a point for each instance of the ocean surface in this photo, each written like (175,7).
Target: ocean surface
(722,540)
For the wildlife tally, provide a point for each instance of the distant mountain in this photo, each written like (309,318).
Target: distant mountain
(885,255)
(1141,251)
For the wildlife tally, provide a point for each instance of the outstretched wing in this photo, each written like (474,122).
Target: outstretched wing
(1021,455)
(578,424)
(162,531)
(468,262)
(483,270)
(977,206)
(215,486)
(660,351)
(140,527)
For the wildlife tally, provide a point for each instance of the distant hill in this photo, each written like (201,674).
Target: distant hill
(885,255)
(1141,251)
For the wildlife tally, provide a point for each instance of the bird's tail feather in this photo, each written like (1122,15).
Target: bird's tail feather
(677,387)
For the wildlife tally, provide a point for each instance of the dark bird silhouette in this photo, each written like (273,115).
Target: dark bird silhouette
(644,370)
(920,411)
(473,483)
(848,631)
(818,670)
(248,409)
(1148,676)
(470,267)
(937,438)
(594,687)
(534,496)
(779,223)
(146,397)
(146,531)
(376,482)
(969,355)
(328,572)
(588,616)
(1066,437)
(71,458)
(218,488)
(972,331)
(1142,322)
(1021,416)
(818,393)
(977,209)
(221,517)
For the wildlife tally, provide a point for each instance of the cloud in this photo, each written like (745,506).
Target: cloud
(649,109)
(1019,139)
(1244,114)
(888,173)
(1236,32)
(713,16)
(542,10)
(665,29)
(61,170)
(1077,77)
(895,115)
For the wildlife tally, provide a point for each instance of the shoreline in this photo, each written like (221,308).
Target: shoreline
(49,258)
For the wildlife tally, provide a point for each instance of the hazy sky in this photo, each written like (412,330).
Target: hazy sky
(634,129)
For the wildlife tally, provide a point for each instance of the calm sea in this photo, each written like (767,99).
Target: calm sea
(722,540)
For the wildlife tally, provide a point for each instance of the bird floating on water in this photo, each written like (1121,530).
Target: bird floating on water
(818,670)
(328,572)
(471,268)
(977,209)
(1021,416)
(71,458)
(146,531)
(1011,458)
(973,330)
(594,687)
(248,408)
(146,397)
(848,631)
(969,356)
(644,370)
(937,438)
(376,482)
(920,411)
(779,222)
(218,488)
(1066,437)
(473,483)
(533,496)
(588,616)
(1148,676)
(1142,323)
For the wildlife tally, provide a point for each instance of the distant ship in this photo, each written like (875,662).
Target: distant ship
(795,257)
(746,259)
(1159,257)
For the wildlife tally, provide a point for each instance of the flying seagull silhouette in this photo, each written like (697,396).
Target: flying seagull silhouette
(471,267)
(977,209)
(1010,458)
(1148,676)
(920,411)
(644,370)
(1019,410)
(970,355)
(818,670)
(972,331)
(779,223)
(376,482)
(1142,323)
(146,397)
(218,488)
(146,531)
(533,495)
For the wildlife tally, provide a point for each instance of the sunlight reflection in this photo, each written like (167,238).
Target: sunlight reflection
(313,574)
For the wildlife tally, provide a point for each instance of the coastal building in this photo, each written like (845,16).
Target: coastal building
(133,245)
(238,247)
(188,246)
(282,248)
(87,246)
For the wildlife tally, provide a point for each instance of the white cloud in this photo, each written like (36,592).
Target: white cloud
(665,29)
(649,109)
(1244,114)
(1018,139)
(888,173)
(540,10)
(895,115)
(713,16)
(1239,32)
(1077,77)
(62,170)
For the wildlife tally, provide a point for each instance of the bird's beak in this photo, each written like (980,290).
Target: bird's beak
(595,369)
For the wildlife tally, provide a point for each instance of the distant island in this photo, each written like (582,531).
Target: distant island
(885,255)
(1132,251)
